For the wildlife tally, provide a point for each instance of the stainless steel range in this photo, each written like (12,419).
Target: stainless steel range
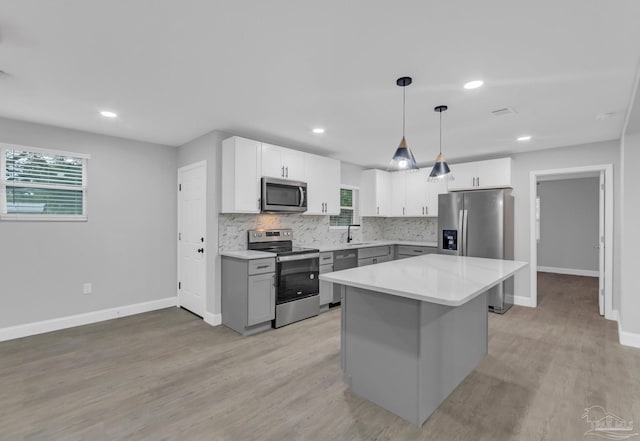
(297,269)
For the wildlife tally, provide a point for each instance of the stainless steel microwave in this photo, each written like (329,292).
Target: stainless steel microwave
(283,196)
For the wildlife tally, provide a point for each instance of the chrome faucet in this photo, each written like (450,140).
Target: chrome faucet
(349,238)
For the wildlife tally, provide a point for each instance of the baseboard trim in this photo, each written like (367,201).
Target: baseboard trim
(524,301)
(628,338)
(212,319)
(72,321)
(569,271)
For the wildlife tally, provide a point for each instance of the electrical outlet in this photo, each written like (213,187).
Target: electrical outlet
(87,288)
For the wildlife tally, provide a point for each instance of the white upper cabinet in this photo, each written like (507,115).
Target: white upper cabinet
(464,176)
(416,193)
(398,194)
(375,193)
(413,195)
(493,173)
(434,189)
(240,175)
(323,185)
(283,163)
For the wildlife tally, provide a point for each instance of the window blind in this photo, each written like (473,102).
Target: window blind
(43,185)
(347,209)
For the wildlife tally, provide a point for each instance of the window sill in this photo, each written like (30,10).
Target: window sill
(43,218)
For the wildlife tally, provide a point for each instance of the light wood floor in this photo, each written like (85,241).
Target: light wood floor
(166,375)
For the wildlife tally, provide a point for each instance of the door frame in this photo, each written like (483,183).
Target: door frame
(569,173)
(179,224)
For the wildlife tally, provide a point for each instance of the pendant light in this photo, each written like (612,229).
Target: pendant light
(403,158)
(440,168)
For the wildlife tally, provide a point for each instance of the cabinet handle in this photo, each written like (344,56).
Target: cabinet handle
(287,169)
(423,210)
(426,210)
(403,211)
(375,260)
(377,210)
(326,258)
(262,266)
(418,251)
(259,204)
(478,180)
(282,172)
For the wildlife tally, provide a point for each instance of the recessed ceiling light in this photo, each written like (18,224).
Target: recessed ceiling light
(525,138)
(318,130)
(108,114)
(473,84)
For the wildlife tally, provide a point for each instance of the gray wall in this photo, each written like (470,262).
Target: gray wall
(630,149)
(573,156)
(569,223)
(209,148)
(350,174)
(126,249)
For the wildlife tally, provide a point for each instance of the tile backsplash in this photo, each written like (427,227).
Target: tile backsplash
(232,229)
(424,229)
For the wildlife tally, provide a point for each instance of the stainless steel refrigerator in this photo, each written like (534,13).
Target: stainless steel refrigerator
(479,223)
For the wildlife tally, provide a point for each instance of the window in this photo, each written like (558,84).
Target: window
(38,184)
(348,208)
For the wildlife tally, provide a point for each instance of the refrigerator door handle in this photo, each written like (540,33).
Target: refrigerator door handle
(461,234)
(465,227)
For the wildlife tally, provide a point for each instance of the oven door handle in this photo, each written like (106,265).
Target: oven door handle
(298,257)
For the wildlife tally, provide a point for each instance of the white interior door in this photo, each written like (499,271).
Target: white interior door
(192,203)
(601,244)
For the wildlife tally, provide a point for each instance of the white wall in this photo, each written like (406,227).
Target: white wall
(209,147)
(569,224)
(350,174)
(126,249)
(572,156)
(630,293)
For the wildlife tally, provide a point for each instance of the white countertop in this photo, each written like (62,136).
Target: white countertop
(252,254)
(436,278)
(247,254)
(365,244)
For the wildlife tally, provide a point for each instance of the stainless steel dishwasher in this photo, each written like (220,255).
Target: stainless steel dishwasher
(343,259)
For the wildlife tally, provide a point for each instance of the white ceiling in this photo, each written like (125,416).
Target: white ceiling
(273,70)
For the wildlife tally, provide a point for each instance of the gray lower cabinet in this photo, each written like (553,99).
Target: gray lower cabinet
(248,294)
(373,255)
(261,299)
(404,251)
(326,288)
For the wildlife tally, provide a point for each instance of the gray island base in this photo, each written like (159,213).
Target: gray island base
(412,330)
(406,355)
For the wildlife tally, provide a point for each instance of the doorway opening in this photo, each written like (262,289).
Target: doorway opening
(602,243)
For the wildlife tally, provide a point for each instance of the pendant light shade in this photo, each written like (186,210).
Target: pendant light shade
(403,157)
(440,169)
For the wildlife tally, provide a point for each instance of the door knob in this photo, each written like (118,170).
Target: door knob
(201,250)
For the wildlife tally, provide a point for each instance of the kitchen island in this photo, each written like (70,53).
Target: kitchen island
(413,329)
